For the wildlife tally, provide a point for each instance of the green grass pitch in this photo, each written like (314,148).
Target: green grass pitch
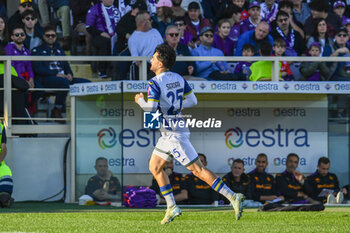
(59,217)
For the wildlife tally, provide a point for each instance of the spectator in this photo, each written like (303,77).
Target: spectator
(172,38)
(178,11)
(242,68)
(16,18)
(263,184)
(339,9)
(323,185)
(16,47)
(207,69)
(61,7)
(103,186)
(163,17)
(237,180)
(290,183)
(233,15)
(199,192)
(346,191)
(254,18)
(262,70)
(254,37)
(346,24)
(127,25)
(269,10)
(54,74)
(185,5)
(301,11)
(226,4)
(185,36)
(222,40)
(320,9)
(4,36)
(315,71)
(287,6)
(79,10)
(34,33)
(195,22)
(279,47)
(295,44)
(340,49)
(101,21)
(6,182)
(144,40)
(177,182)
(320,35)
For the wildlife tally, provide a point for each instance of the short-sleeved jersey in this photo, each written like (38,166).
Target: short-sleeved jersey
(168,89)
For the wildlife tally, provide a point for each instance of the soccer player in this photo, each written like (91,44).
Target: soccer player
(166,92)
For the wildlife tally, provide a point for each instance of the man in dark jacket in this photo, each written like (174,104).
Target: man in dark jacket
(54,74)
(16,18)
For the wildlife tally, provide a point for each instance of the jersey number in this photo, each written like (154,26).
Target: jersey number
(178,96)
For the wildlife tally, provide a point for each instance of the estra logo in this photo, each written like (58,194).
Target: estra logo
(107,138)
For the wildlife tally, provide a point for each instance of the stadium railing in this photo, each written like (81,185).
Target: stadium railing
(65,129)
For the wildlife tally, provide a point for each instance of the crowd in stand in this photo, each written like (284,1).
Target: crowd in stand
(193,28)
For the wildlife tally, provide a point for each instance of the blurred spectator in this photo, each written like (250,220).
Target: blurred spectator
(6,182)
(263,184)
(342,72)
(320,9)
(172,37)
(163,17)
(101,21)
(127,25)
(61,7)
(254,18)
(233,15)
(3,9)
(346,24)
(301,11)
(323,185)
(79,10)
(222,40)
(320,35)
(290,183)
(54,74)
(199,192)
(255,37)
(144,40)
(225,4)
(16,18)
(177,182)
(237,180)
(295,44)
(242,69)
(103,186)
(4,36)
(178,11)
(346,191)
(185,5)
(210,69)
(210,8)
(339,9)
(269,10)
(287,6)
(279,48)
(17,48)
(195,22)
(34,33)
(262,70)
(315,71)
(185,36)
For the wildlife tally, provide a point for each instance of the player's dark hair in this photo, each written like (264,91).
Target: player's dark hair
(101,158)
(238,161)
(323,160)
(248,47)
(205,157)
(261,155)
(265,49)
(166,55)
(292,155)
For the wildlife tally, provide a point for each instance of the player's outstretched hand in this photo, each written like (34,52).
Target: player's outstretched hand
(138,96)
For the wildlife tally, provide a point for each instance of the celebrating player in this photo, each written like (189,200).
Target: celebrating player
(166,92)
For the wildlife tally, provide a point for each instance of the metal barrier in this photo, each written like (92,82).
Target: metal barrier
(65,129)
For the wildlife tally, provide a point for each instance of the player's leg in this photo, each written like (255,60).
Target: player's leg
(218,185)
(156,164)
